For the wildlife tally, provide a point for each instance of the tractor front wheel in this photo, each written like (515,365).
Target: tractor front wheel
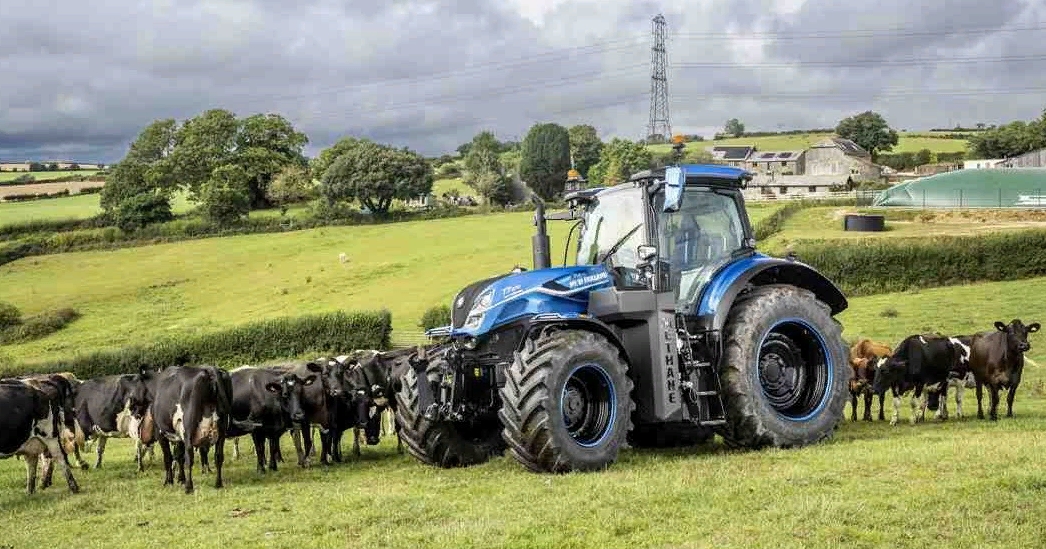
(566,403)
(443,443)
(784,370)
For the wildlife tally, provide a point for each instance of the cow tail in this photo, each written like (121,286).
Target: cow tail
(219,390)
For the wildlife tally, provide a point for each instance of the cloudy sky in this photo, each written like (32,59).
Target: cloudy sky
(81,78)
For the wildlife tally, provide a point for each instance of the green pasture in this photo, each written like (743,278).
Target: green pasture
(967,484)
(68,207)
(45,176)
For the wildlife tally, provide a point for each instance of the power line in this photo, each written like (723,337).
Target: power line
(869,33)
(876,95)
(864,62)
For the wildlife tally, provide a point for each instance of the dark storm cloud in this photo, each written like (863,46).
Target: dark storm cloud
(430,74)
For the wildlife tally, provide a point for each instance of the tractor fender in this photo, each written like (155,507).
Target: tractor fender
(588,323)
(718,297)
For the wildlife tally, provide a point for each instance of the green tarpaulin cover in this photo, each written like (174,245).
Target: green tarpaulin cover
(974,188)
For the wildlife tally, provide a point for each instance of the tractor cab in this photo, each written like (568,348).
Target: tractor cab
(667,230)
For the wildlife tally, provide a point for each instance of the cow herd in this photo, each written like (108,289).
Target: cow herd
(190,410)
(929,364)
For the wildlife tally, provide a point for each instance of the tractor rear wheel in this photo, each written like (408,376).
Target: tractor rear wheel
(784,369)
(566,403)
(443,443)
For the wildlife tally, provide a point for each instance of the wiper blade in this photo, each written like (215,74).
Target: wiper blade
(613,249)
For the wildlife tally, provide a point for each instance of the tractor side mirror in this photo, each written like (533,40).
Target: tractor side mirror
(646,252)
(674,182)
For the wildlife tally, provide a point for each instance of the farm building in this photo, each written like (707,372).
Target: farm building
(838,156)
(776,162)
(733,156)
(766,186)
(1033,159)
(982,163)
(983,188)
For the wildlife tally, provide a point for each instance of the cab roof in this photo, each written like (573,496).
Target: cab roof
(696,174)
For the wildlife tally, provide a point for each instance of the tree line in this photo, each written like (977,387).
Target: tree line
(1008,140)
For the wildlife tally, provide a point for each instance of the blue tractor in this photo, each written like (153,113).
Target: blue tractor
(669,328)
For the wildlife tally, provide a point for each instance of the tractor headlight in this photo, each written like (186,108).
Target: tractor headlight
(483,302)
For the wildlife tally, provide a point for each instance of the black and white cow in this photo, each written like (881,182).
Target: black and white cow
(190,407)
(103,411)
(62,388)
(31,426)
(960,379)
(378,374)
(268,402)
(918,361)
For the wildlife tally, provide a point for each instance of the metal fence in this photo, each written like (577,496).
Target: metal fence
(855,196)
(921,199)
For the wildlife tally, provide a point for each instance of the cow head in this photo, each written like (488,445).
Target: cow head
(888,371)
(288,389)
(1017,334)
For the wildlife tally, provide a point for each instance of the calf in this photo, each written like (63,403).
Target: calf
(997,360)
(961,378)
(271,399)
(191,408)
(32,426)
(919,361)
(103,411)
(863,356)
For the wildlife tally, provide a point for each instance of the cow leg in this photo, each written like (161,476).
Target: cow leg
(296,438)
(179,457)
(100,451)
(274,450)
(259,450)
(47,466)
(168,461)
(205,466)
(356,441)
(882,406)
(959,390)
(188,463)
(399,440)
(867,406)
(78,443)
(993,403)
(1009,400)
(326,450)
(57,452)
(236,448)
(219,461)
(896,407)
(914,402)
(980,396)
(942,403)
(853,406)
(31,461)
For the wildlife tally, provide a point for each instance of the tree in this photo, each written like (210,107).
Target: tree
(375,175)
(145,170)
(585,147)
(226,196)
(482,157)
(869,130)
(266,144)
(545,159)
(202,144)
(323,161)
(734,127)
(292,185)
(923,157)
(494,187)
(620,159)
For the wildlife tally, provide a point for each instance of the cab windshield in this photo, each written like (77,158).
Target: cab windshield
(613,216)
(697,240)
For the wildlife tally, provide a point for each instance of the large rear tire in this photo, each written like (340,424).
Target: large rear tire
(444,444)
(784,370)
(566,403)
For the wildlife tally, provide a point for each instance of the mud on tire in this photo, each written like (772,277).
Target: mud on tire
(784,370)
(443,443)
(566,403)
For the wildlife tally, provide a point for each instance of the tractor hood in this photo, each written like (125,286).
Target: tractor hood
(492,302)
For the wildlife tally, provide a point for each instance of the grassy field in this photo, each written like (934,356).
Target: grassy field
(45,176)
(441,186)
(69,207)
(906,143)
(827,223)
(966,483)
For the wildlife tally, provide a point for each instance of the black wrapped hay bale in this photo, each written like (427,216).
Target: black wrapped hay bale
(864,222)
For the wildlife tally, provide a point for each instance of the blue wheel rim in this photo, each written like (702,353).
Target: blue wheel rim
(588,404)
(794,370)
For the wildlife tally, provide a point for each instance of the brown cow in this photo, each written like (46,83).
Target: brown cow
(863,356)
(997,360)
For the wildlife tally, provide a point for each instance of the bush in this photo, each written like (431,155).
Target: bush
(227,195)
(9,315)
(39,326)
(141,210)
(873,266)
(449,171)
(435,317)
(252,343)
